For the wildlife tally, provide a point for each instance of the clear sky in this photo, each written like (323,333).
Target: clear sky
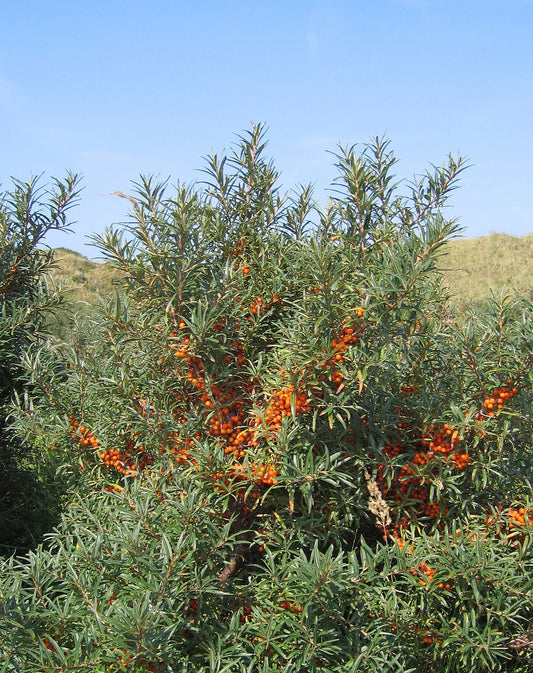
(112,89)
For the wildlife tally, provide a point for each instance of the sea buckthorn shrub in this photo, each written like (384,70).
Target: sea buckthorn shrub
(295,455)
(28,212)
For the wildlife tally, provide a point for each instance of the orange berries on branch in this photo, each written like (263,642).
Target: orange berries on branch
(259,306)
(259,474)
(519,518)
(410,389)
(347,336)
(430,638)
(285,403)
(226,403)
(425,570)
(461,459)
(82,434)
(496,400)
(291,607)
(409,487)
(128,461)
(442,440)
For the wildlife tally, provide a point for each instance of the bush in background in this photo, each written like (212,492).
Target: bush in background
(28,213)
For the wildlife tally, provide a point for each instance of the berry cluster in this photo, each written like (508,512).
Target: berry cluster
(260,306)
(260,474)
(227,406)
(283,404)
(497,399)
(81,434)
(128,461)
(426,571)
(348,336)
(229,416)
(245,612)
(428,637)
(519,518)
(9,280)
(408,488)
(291,607)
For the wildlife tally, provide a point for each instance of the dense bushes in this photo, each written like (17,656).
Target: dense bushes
(27,213)
(295,457)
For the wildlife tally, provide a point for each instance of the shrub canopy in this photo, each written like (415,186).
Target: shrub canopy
(295,455)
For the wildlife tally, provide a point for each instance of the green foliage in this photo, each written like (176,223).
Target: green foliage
(27,213)
(293,456)
(471,269)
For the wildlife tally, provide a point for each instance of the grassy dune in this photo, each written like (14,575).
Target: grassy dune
(83,279)
(472,268)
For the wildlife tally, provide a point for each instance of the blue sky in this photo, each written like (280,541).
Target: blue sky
(114,89)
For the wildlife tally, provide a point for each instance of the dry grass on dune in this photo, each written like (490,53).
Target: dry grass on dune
(83,279)
(473,267)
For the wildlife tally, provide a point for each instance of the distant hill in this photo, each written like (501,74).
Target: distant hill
(83,279)
(472,267)
(475,266)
